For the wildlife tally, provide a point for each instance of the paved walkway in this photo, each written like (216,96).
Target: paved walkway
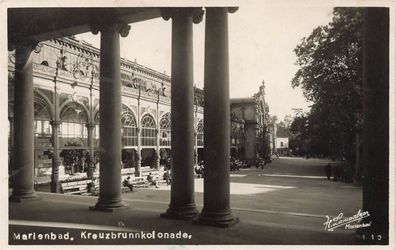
(273,209)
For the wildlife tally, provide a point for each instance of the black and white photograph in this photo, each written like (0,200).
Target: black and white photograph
(198,124)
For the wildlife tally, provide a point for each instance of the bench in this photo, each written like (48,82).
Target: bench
(159,179)
(127,171)
(75,187)
(139,182)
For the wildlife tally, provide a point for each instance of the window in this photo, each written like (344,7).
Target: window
(73,127)
(129,127)
(200,134)
(165,130)
(149,137)
(42,126)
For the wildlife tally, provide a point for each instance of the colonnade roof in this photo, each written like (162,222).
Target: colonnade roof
(40,24)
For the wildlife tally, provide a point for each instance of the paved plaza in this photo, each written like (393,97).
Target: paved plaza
(286,203)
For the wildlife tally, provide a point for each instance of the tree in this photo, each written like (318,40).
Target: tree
(330,75)
(298,136)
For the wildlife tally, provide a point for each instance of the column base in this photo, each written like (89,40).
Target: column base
(188,212)
(24,197)
(108,206)
(217,219)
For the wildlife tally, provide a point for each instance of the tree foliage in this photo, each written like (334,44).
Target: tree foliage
(330,75)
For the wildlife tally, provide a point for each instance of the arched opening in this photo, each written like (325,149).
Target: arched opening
(129,128)
(165,130)
(129,138)
(148,131)
(73,130)
(42,137)
(73,138)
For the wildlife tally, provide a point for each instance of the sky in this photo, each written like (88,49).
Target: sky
(262,36)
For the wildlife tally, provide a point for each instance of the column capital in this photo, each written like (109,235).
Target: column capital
(122,27)
(55,123)
(23,44)
(195,12)
(90,125)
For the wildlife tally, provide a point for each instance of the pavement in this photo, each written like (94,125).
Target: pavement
(285,204)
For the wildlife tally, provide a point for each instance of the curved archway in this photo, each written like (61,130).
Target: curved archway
(74,118)
(148,130)
(200,133)
(42,116)
(129,127)
(39,93)
(165,130)
(69,102)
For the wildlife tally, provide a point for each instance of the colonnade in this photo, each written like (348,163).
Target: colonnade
(216,210)
(182,204)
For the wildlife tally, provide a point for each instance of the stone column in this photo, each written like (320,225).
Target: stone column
(23,172)
(196,147)
(11,149)
(158,133)
(55,183)
(376,126)
(110,117)
(138,170)
(182,204)
(158,147)
(216,211)
(90,128)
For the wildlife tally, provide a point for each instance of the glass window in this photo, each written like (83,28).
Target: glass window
(165,130)
(73,127)
(200,134)
(42,126)
(149,137)
(129,127)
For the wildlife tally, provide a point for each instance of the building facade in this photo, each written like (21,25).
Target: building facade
(66,100)
(251,129)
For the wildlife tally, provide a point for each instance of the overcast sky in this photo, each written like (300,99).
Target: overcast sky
(262,36)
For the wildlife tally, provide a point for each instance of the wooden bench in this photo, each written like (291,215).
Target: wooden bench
(75,187)
(127,171)
(139,182)
(159,179)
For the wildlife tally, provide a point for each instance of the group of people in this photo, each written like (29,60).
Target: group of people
(199,169)
(150,179)
(339,172)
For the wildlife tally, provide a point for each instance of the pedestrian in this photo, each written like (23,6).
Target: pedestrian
(151,180)
(257,164)
(167,177)
(261,166)
(328,171)
(127,183)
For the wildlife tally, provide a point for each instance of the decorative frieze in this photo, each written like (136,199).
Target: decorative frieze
(43,68)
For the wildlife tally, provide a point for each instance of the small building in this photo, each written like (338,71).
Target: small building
(282,143)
